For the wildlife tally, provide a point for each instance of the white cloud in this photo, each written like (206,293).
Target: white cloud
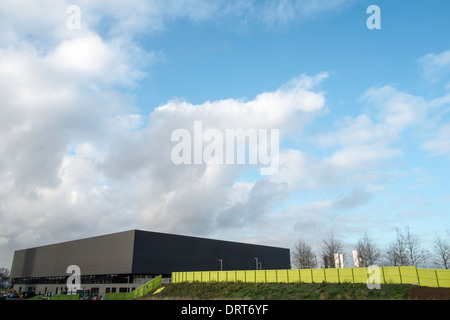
(77,161)
(284,11)
(76,158)
(115,62)
(396,109)
(440,144)
(370,140)
(116,171)
(45,20)
(435,66)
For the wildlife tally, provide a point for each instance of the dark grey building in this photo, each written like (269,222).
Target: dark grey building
(125,260)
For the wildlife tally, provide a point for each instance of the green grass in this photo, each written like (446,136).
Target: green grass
(281,291)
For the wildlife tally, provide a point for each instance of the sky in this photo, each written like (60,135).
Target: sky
(91,93)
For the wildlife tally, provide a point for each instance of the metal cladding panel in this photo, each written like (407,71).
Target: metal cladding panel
(107,254)
(160,253)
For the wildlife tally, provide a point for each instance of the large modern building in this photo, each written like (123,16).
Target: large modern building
(123,261)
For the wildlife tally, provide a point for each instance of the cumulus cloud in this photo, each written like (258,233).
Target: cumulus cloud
(435,66)
(195,194)
(397,109)
(370,140)
(78,158)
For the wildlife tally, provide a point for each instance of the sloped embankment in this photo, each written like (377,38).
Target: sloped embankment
(298,291)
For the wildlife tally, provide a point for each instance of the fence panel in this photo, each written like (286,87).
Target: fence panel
(332,275)
(345,275)
(293,275)
(427,277)
(250,276)
(182,276)
(146,288)
(189,276)
(205,276)
(282,276)
(231,276)
(392,275)
(388,275)
(271,276)
(241,275)
(318,275)
(197,276)
(213,276)
(443,278)
(359,275)
(222,276)
(306,275)
(260,276)
(409,275)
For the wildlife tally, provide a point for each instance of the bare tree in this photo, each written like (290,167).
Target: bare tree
(330,247)
(441,248)
(416,255)
(303,256)
(4,273)
(368,253)
(397,254)
(406,250)
(4,276)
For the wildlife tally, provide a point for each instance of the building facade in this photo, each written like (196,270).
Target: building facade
(123,261)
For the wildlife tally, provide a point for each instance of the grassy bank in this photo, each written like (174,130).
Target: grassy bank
(287,291)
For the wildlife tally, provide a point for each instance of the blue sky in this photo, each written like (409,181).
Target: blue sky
(87,116)
(212,60)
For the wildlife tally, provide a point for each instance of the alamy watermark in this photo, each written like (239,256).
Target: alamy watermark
(374,278)
(374,21)
(232,146)
(74,20)
(74,280)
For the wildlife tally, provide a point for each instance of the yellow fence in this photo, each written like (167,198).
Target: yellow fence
(143,290)
(149,287)
(382,275)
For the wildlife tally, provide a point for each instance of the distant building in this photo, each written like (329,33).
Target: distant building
(123,261)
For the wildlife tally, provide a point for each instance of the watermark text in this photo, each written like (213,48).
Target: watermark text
(234,146)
